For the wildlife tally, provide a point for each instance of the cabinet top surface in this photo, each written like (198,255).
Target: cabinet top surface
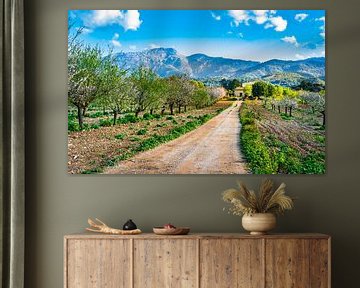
(87,235)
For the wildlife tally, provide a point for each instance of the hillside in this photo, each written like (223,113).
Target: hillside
(167,61)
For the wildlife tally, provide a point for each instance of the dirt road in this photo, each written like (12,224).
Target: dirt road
(213,148)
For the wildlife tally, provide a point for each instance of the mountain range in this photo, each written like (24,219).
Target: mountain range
(167,61)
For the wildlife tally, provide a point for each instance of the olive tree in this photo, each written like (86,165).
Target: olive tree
(115,89)
(316,101)
(144,85)
(84,66)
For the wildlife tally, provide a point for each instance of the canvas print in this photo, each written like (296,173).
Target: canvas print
(196,92)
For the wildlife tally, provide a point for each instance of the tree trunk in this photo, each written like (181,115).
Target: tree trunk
(137,112)
(323,113)
(171,109)
(185,108)
(290,111)
(80,117)
(115,117)
(84,111)
(179,109)
(279,109)
(163,110)
(286,109)
(151,111)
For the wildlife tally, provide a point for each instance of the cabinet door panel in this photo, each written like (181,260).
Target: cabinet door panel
(287,263)
(319,263)
(166,263)
(98,264)
(231,263)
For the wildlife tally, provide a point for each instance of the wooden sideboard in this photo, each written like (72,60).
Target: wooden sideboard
(197,260)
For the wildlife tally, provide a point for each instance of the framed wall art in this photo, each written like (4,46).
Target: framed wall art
(196,92)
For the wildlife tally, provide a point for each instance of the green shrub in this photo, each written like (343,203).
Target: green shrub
(120,136)
(285,116)
(128,118)
(134,139)
(148,116)
(319,138)
(314,163)
(141,132)
(95,114)
(94,126)
(169,118)
(256,151)
(73,126)
(105,122)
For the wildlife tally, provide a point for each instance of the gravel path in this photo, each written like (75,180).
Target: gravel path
(213,148)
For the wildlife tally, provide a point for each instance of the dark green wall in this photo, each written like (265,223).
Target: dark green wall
(58,204)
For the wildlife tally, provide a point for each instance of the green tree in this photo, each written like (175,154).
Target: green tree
(259,89)
(248,90)
(144,85)
(316,101)
(230,85)
(84,67)
(115,88)
(201,97)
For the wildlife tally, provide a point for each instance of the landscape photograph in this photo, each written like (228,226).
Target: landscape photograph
(196,92)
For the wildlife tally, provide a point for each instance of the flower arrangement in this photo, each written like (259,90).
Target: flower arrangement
(247,202)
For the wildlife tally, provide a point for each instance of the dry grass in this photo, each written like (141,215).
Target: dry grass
(267,200)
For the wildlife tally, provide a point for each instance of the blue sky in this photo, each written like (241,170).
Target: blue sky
(242,34)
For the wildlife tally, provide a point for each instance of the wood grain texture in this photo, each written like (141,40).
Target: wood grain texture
(287,263)
(231,263)
(165,263)
(88,235)
(98,264)
(319,263)
(197,260)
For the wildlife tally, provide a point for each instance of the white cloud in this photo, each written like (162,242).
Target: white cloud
(310,55)
(268,25)
(239,16)
(322,27)
(241,35)
(153,46)
(278,23)
(102,17)
(291,40)
(301,17)
(216,17)
(260,17)
(114,41)
(131,20)
(128,19)
(132,47)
